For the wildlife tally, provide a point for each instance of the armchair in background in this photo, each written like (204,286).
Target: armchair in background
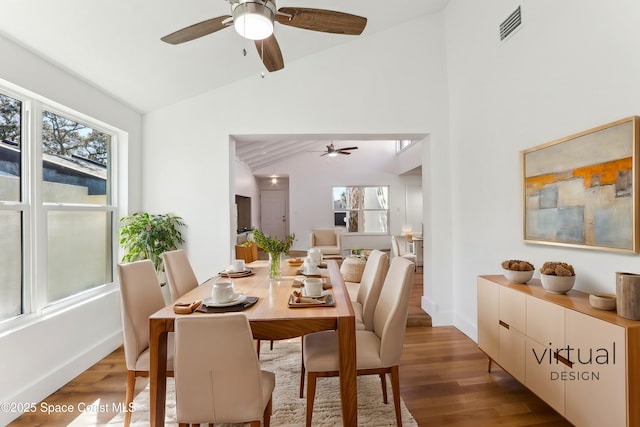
(328,241)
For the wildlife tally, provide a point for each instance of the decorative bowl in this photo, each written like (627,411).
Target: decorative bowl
(518,276)
(557,284)
(603,301)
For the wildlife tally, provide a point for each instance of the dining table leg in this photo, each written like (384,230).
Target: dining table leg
(348,379)
(157,371)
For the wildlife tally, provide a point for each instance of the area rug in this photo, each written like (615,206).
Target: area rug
(288,408)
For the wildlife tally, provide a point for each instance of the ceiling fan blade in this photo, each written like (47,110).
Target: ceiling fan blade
(349,148)
(343,152)
(198,30)
(269,51)
(326,21)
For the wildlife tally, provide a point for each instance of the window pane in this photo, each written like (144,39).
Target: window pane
(375,221)
(352,222)
(75,162)
(375,198)
(80,252)
(10,152)
(339,198)
(10,264)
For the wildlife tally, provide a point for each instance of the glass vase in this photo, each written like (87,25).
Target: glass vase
(275,265)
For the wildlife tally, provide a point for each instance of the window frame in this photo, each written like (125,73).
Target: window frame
(35,211)
(360,211)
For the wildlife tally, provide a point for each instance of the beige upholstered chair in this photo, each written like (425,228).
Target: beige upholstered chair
(398,248)
(217,372)
(328,241)
(140,296)
(378,351)
(373,277)
(180,276)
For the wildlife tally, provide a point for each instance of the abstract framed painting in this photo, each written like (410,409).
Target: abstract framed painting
(582,190)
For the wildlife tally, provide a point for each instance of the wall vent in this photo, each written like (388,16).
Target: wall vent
(512,23)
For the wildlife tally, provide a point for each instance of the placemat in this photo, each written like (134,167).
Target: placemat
(238,307)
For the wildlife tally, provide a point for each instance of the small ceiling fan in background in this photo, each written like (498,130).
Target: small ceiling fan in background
(253,19)
(333,152)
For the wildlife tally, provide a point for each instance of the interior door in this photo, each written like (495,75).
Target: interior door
(273,213)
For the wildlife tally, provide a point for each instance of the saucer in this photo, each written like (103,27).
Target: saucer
(236,274)
(239,299)
(322,294)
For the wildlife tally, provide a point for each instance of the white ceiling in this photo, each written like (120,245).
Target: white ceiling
(115,44)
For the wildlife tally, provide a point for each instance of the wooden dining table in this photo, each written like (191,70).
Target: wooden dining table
(270,318)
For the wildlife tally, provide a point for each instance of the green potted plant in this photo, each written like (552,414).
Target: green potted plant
(275,248)
(147,236)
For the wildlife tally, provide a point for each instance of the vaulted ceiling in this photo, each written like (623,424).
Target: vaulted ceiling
(115,45)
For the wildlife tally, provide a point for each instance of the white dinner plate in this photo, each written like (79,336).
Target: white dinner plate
(239,299)
(245,271)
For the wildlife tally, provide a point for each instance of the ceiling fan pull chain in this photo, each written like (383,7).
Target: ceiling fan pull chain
(262,56)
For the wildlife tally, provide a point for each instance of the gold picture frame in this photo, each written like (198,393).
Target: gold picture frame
(582,190)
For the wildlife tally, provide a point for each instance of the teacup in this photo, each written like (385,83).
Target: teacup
(313,286)
(315,255)
(222,290)
(237,266)
(311,269)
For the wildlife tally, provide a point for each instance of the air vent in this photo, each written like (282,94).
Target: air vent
(512,23)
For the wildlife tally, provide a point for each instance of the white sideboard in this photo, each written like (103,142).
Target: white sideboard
(584,362)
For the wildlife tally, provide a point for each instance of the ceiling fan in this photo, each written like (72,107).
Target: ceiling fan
(333,152)
(253,19)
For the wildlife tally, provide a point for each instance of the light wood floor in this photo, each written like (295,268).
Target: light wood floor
(443,377)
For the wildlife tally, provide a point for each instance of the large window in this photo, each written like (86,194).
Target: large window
(362,209)
(11,208)
(56,206)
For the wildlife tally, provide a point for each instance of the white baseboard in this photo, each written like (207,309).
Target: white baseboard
(438,317)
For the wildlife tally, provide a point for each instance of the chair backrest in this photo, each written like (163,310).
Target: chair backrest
(217,371)
(324,238)
(395,248)
(390,317)
(140,297)
(371,284)
(180,276)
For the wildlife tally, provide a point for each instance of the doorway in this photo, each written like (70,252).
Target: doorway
(273,213)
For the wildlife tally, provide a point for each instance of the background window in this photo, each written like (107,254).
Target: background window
(362,209)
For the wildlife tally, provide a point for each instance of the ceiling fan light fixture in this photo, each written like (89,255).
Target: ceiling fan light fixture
(332,154)
(254,20)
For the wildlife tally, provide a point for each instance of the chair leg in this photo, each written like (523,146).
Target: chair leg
(271,345)
(395,387)
(258,348)
(128,396)
(383,382)
(302,373)
(267,414)
(311,395)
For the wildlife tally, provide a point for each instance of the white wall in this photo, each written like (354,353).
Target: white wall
(388,83)
(572,66)
(48,351)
